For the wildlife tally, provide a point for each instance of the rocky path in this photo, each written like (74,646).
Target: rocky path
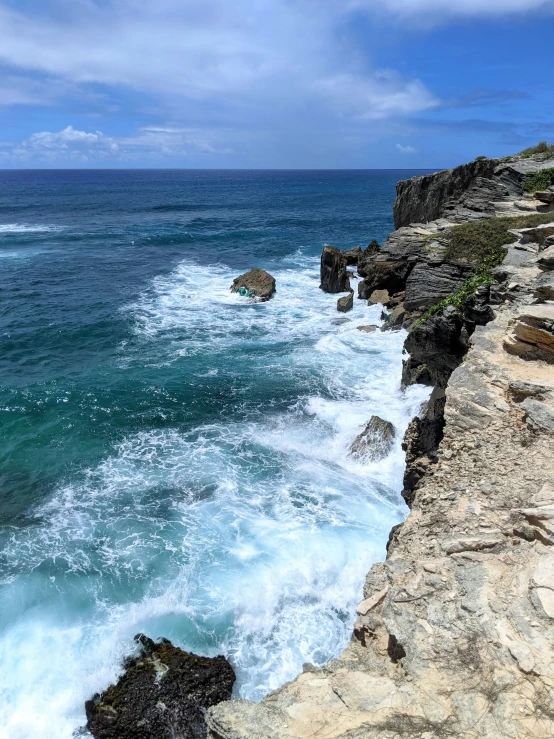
(455,634)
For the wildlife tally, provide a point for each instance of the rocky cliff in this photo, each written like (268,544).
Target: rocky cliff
(455,633)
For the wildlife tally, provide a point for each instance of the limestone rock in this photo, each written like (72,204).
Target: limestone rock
(378,296)
(163,693)
(375,442)
(346,303)
(533,334)
(383,275)
(257,281)
(428,284)
(334,277)
(539,415)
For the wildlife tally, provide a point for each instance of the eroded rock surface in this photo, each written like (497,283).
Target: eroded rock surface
(334,277)
(163,694)
(375,441)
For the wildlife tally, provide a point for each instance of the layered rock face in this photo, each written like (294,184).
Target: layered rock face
(454,637)
(163,694)
(334,277)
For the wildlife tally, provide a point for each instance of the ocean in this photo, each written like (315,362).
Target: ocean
(174,458)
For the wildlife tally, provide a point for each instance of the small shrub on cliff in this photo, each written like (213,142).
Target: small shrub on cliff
(480,158)
(542,147)
(482,243)
(539,180)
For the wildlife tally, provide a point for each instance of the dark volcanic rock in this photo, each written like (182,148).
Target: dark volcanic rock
(162,694)
(258,281)
(352,255)
(383,275)
(439,344)
(334,277)
(429,283)
(375,441)
(347,303)
(421,442)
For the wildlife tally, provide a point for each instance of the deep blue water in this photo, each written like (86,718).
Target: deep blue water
(174,458)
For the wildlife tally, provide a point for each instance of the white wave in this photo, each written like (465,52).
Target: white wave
(250,538)
(21,228)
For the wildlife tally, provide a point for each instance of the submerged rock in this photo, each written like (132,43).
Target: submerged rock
(334,277)
(375,441)
(347,303)
(163,694)
(257,281)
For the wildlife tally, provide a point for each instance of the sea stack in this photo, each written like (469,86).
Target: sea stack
(258,282)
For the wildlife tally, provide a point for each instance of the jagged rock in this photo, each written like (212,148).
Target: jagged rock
(257,281)
(375,441)
(439,344)
(334,277)
(421,441)
(545,196)
(379,296)
(521,390)
(538,415)
(427,284)
(544,287)
(546,259)
(346,303)
(163,694)
(352,255)
(537,234)
(383,275)
(367,329)
(395,320)
(533,334)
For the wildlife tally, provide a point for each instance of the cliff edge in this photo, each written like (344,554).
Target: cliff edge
(454,636)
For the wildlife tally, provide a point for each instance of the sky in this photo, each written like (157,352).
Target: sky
(272,83)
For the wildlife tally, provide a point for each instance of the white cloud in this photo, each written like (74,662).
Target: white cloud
(244,54)
(71,145)
(406,149)
(453,8)
(68,144)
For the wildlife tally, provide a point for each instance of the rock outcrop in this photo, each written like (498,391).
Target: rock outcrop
(334,277)
(375,442)
(346,303)
(162,694)
(454,636)
(256,281)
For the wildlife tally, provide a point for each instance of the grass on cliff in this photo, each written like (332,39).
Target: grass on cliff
(539,180)
(542,147)
(483,245)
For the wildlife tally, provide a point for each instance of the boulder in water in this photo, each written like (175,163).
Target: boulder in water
(375,441)
(334,277)
(163,693)
(347,303)
(257,281)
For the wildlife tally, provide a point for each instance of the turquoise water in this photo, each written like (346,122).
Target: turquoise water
(174,457)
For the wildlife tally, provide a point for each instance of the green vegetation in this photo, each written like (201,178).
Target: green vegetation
(539,180)
(483,244)
(541,148)
(480,158)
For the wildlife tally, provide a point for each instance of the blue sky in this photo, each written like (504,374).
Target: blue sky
(272,83)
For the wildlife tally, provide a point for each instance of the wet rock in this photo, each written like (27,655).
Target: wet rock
(163,694)
(346,303)
(395,320)
(368,329)
(334,277)
(375,441)
(257,281)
